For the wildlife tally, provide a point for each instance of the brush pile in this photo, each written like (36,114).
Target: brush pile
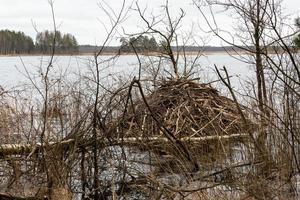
(184,108)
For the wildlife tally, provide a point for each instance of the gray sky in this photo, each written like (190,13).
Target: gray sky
(82,17)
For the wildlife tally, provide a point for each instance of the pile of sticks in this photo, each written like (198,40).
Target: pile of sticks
(184,108)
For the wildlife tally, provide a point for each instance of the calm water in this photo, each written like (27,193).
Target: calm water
(14,70)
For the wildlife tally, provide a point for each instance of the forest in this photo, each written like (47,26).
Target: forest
(139,44)
(12,42)
(64,43)
(15,42)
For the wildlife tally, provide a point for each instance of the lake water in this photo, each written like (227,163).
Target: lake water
(14,70)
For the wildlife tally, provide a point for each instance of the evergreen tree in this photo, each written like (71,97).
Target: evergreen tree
(140,44)
(15,42)
(64,43)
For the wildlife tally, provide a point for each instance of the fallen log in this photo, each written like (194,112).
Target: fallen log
(6,196)
(25,149)
(186,139)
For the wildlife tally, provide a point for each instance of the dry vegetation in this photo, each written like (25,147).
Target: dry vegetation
(154,136)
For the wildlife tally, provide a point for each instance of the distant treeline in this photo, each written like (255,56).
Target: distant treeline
(139,44)
(15,42)
(90,49)
(64,43)
(12,42)
(145,44)
(86,49)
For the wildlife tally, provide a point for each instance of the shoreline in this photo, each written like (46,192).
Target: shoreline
(124,54)
(188,53)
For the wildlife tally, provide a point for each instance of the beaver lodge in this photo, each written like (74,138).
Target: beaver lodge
(183,108)
(182,117)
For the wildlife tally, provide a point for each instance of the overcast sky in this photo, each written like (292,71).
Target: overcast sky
(82,17)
